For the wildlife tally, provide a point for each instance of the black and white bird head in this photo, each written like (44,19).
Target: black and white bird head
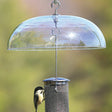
(39,90)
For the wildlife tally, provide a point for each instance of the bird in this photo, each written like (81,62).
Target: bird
(38,96)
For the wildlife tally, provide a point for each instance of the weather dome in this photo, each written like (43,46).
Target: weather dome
(73,33)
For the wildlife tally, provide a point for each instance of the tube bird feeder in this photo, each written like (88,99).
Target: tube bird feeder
(56,95)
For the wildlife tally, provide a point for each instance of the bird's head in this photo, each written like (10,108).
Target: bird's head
(39,90)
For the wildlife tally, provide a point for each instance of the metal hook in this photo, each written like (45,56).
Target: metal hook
(56,89)
(55,2)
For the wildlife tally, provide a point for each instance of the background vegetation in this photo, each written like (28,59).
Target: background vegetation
(90,72)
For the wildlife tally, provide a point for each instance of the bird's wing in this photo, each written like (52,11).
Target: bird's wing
(35,101)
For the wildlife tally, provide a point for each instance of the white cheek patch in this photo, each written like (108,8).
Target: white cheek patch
(39,92)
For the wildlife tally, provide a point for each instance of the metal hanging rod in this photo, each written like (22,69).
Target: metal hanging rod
(57,4)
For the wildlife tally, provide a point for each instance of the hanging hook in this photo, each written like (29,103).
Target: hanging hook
(56,2)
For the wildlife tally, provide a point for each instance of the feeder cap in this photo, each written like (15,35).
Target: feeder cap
(58,79)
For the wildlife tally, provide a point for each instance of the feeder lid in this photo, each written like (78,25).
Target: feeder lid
(58,79)
(73,33)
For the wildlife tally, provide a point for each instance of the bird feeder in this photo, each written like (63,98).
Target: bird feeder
(56,32)
(56,95)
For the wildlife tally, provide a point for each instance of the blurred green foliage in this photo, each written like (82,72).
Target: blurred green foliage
(90,89)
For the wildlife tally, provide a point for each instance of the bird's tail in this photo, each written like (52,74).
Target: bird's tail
(35,110)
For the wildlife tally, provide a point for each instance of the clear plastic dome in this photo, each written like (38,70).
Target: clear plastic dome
(74,33)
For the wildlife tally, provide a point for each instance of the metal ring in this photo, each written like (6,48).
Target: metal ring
(55,2)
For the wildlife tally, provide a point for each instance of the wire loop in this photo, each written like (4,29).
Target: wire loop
(56,2)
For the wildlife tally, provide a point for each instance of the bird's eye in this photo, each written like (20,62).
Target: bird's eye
(41,92)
